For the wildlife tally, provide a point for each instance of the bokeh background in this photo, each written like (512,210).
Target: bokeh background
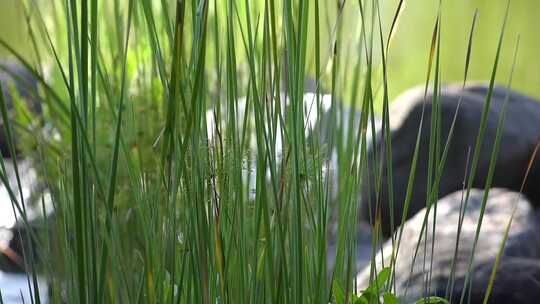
(407,60)
(13,27)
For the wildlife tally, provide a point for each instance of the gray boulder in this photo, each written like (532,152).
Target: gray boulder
(519,136)
(519,264)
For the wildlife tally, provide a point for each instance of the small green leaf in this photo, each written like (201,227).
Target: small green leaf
(390,298)
(370,294)
(366,297)
(381,279)
(361,300)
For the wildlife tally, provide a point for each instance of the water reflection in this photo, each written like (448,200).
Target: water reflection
(14,288)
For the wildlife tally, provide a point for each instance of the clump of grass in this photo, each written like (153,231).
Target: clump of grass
(149,208)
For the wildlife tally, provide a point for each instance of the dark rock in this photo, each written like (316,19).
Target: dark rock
(17,77)
(520,263)
(11,250)
(519,137)
(18,247)
(517,281)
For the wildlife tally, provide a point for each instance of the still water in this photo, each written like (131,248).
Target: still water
(14,288)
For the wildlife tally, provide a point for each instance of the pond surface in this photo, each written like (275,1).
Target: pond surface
(14,288)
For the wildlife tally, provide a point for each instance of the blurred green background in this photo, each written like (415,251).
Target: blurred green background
(13,26)
(407,61)
(408,58)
